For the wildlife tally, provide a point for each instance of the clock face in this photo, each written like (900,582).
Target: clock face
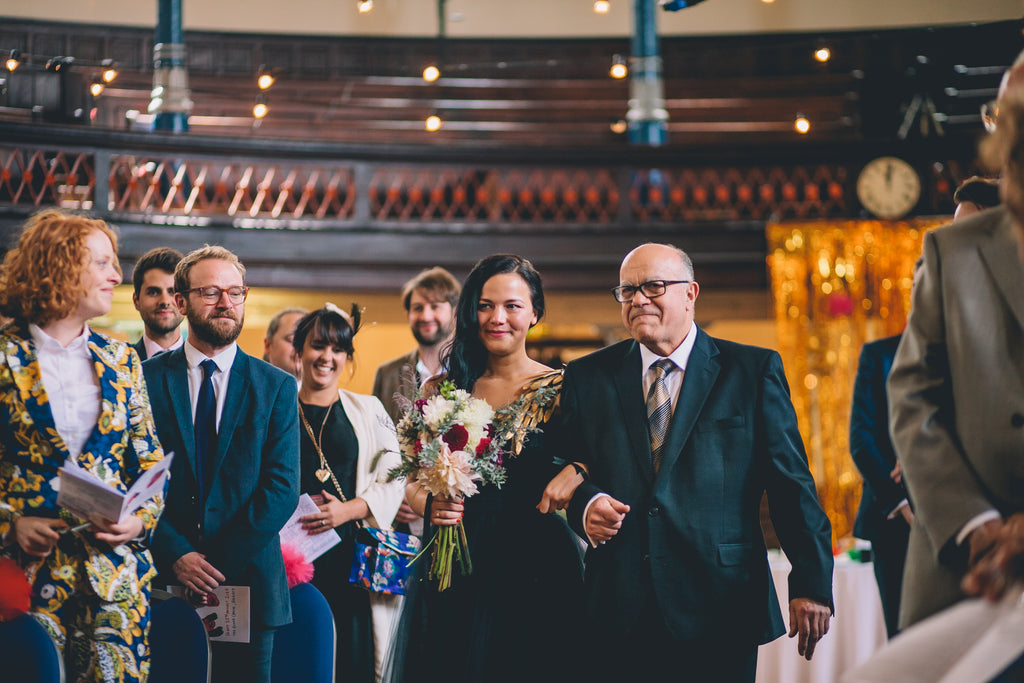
(888,187)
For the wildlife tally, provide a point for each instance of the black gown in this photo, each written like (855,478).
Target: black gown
(515,617)
(349,603)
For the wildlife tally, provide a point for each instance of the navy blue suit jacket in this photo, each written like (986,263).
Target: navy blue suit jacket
(254,485)
(870,444)
(693,532)
(140,348)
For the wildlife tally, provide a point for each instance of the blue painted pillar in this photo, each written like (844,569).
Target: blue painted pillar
(647,117)
(169,102)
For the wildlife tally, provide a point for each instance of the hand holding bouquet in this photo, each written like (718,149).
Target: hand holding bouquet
(447,445)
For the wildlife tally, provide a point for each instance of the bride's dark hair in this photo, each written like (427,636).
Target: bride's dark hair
(466,357)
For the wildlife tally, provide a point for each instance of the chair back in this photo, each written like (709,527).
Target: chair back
(178,645)
(28,653)
(304,650)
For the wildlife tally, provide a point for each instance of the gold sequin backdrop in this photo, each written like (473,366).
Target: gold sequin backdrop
(837,285)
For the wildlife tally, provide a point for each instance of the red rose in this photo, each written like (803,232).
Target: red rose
(456,437)
(417,447)
(15,593)
(481,447)
(420,403)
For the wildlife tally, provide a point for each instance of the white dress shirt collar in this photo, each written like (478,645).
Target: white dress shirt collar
(152,348)
(681,355)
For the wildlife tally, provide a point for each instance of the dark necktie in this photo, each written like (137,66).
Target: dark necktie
(206,426)
(659,409)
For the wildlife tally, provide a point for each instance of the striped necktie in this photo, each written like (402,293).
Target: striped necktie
(659,409)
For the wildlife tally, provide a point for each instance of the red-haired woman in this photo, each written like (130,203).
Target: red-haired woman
(68,393)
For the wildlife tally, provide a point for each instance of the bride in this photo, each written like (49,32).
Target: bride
(512,618)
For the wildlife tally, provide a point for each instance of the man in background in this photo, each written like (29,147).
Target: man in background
(153,280)
(429,300)
(884,516)
(277,343)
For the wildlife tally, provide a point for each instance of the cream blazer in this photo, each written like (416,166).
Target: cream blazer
(378,453)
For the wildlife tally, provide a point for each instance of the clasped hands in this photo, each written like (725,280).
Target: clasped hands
(996,557)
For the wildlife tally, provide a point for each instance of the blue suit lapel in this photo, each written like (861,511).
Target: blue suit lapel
(175,390)
(103,364)
(627,377)
(235,405)
(702,370)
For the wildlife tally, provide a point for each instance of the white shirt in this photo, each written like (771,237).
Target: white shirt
(680,357)
(224,359)
(72,386)
(152,348)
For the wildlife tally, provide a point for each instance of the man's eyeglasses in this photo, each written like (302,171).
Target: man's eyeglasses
(652,289)
(989,115)
(212,295)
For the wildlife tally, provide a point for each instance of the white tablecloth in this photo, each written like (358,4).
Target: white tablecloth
(856,632)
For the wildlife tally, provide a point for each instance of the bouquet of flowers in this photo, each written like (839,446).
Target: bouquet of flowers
(447,444)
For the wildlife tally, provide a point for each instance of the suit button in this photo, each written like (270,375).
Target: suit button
(1017,420)
(654,511)
(647,558)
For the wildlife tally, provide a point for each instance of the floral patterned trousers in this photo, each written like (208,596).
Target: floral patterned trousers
(101,641)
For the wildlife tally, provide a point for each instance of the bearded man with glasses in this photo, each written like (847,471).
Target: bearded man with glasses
(681,434)
(232,421)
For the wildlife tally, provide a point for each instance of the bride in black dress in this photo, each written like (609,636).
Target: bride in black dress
(514,617)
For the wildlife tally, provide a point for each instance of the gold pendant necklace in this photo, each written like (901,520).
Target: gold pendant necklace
(324,472)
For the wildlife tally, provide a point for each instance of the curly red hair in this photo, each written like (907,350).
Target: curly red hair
(40,279)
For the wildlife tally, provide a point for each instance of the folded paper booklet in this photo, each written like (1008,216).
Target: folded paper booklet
(88,496)
(226,614)
(311,546)
(971,641)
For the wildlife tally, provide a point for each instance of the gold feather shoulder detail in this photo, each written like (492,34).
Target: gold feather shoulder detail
(536,404)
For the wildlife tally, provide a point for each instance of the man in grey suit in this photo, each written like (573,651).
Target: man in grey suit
(677,576)
(429,300)
(956,396)
(232,422)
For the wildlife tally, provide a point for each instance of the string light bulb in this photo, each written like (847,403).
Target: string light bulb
(602,6)
(364,6)
(823,54)
(96,88)
(13,61)
(259,110)
(264,81)
(801,124)
(431,73)
(433,123)
(618,68)
(109,70)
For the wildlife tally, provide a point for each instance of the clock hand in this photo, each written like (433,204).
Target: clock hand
(888,175)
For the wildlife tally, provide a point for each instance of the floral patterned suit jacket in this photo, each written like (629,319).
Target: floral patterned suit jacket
(121,447)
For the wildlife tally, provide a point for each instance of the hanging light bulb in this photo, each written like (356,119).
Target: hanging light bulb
(109,70)
(801,124)
(433,123)
(259,110)
(602,6)
(823,54)
(96,88)
(431,73)
(264,81)
(618,126)
(618,68)
(364,6)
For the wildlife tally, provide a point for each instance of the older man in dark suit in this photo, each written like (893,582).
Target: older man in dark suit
(677,576)
(232,421)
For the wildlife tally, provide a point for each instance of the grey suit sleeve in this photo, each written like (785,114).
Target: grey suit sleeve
(944,489)
(277,494)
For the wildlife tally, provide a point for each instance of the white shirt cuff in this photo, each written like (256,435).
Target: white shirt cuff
(976,522)
(896,510)
(586,510)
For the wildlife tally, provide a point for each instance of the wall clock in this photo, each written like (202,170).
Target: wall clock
(888,187)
